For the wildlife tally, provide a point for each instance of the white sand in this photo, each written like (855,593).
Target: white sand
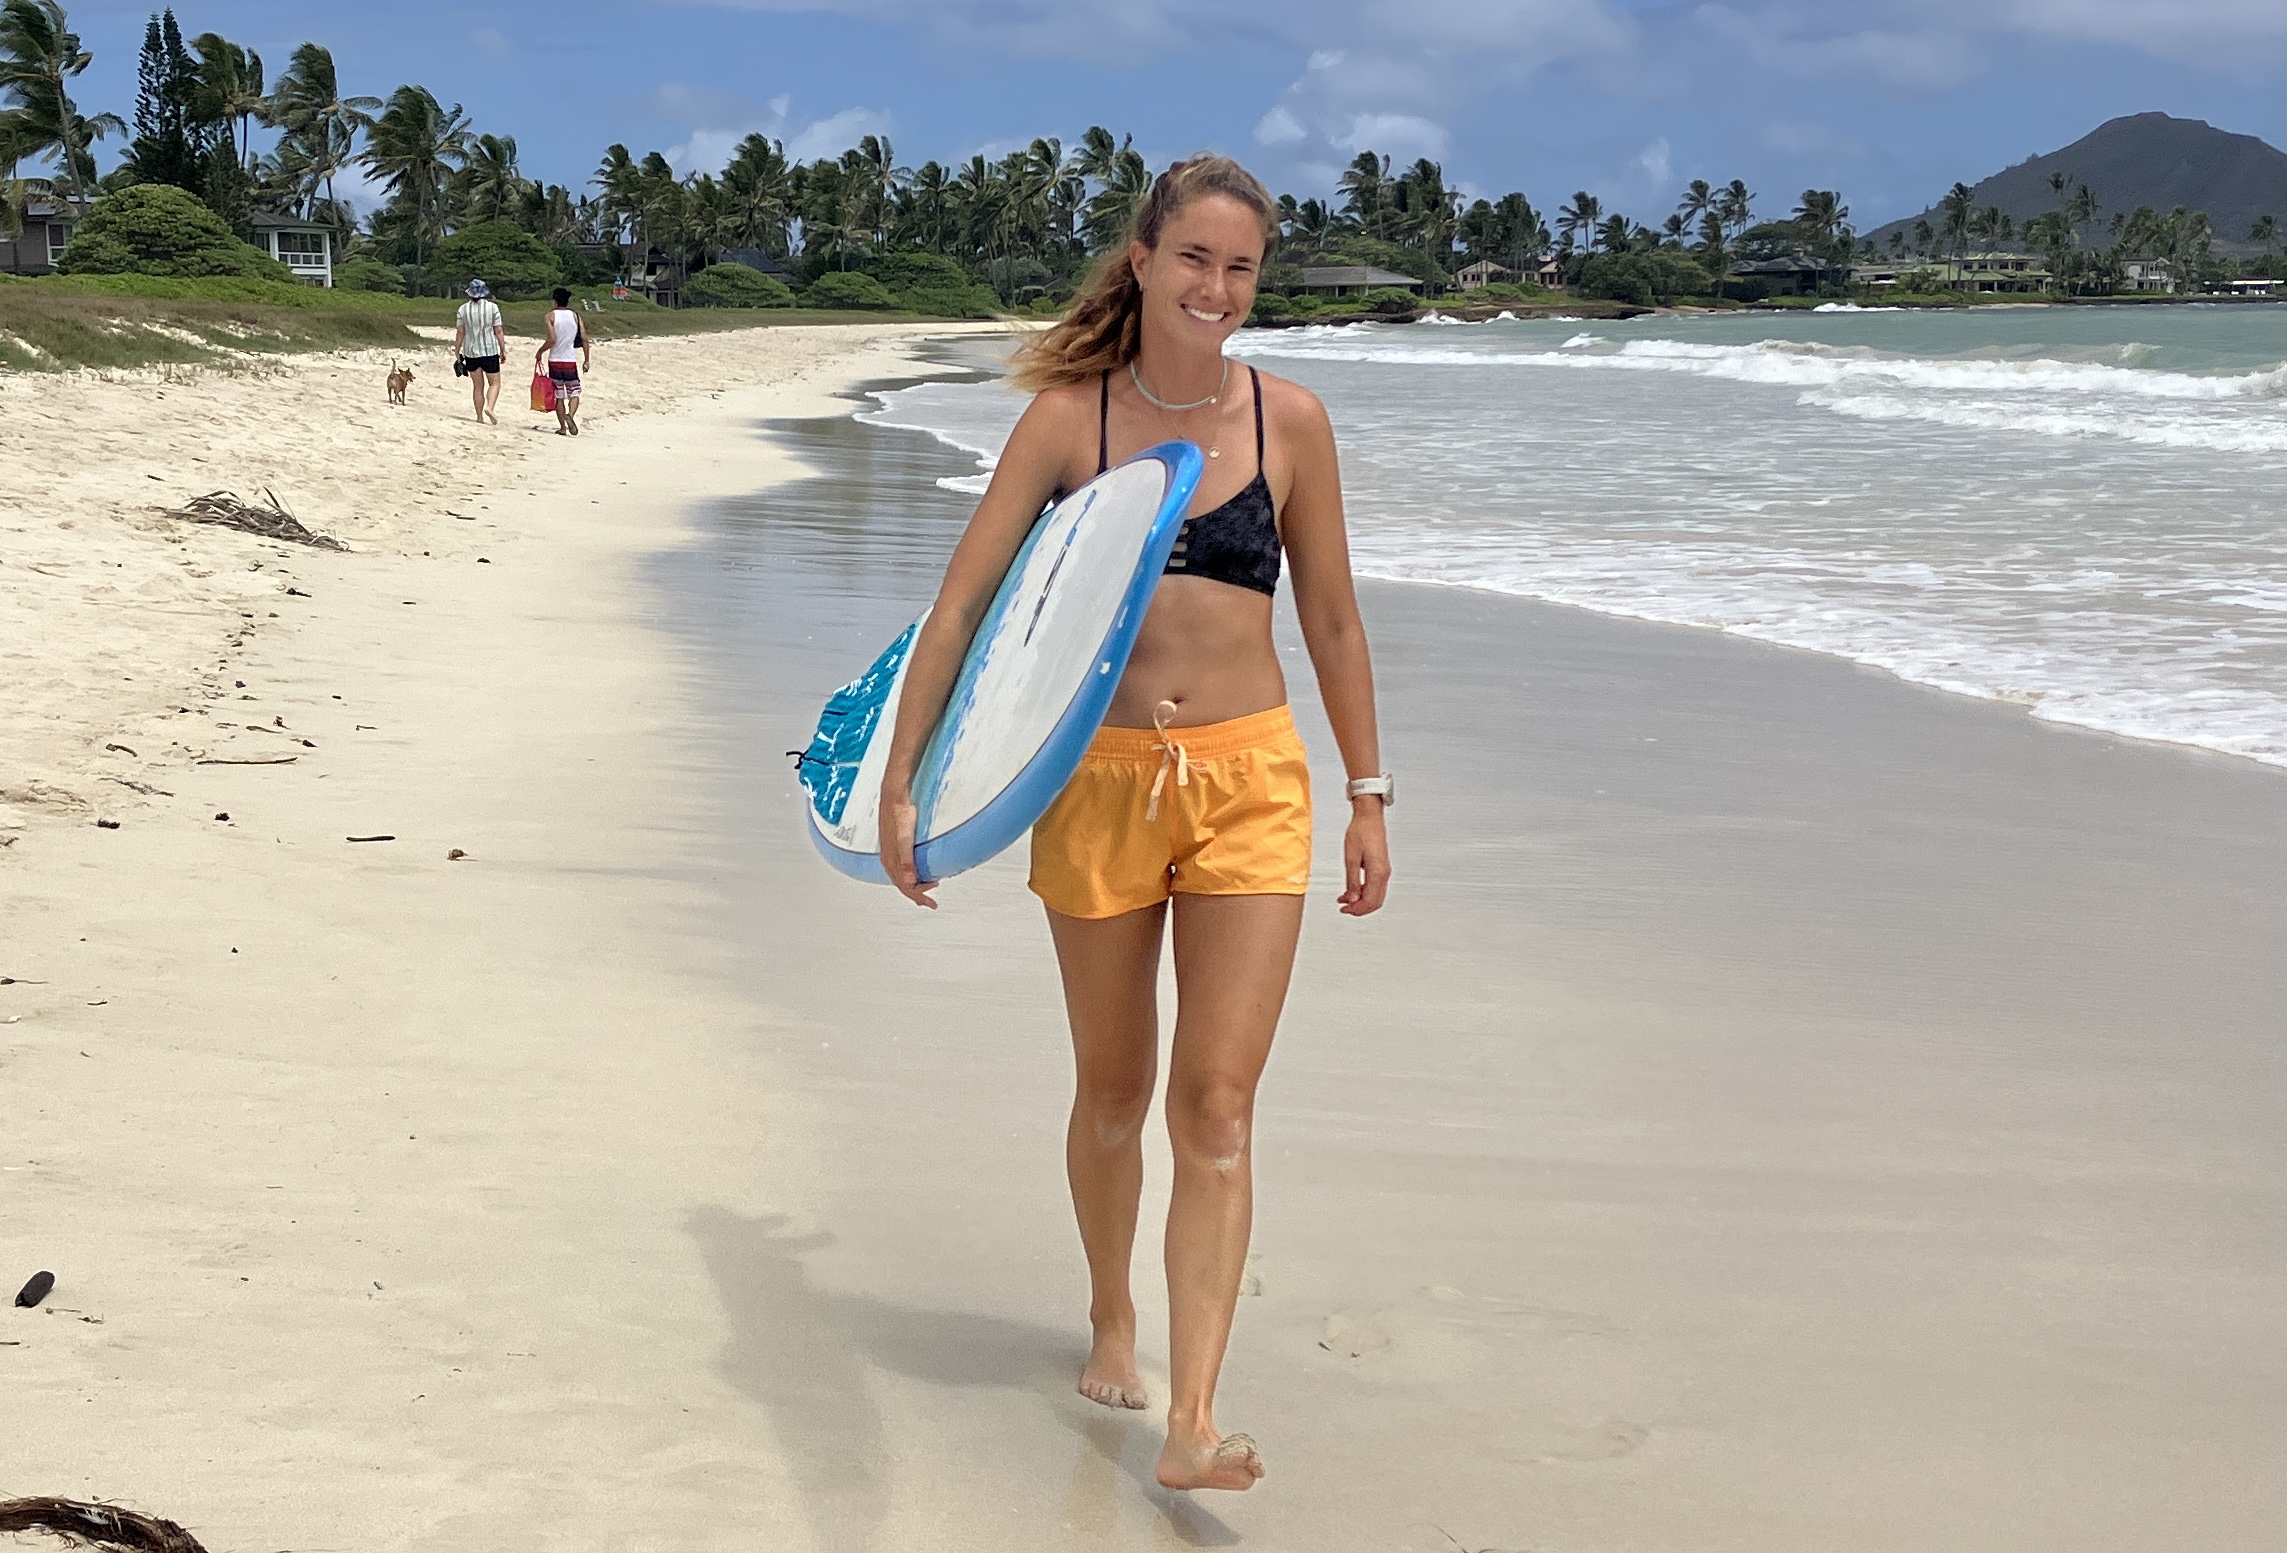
(363,1173)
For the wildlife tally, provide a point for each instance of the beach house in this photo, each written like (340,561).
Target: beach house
(1354,280)
(1476,277)
(35,249)
(305,247)
(1794,275)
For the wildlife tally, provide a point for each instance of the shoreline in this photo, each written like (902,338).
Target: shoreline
(1754,1046)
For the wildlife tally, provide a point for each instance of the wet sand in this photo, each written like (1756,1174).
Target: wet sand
(1782,1108)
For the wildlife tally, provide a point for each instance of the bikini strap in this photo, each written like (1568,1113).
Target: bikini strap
(1104,424)
(1258,377)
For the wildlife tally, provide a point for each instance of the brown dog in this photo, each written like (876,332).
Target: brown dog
(399,379)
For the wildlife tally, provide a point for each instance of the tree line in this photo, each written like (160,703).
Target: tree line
(1024,224)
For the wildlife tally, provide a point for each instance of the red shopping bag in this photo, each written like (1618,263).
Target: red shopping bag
(543,392)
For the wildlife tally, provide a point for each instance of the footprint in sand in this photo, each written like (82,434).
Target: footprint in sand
(1605,1441)
(1354,1337)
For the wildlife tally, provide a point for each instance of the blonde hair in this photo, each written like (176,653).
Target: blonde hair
(1103,325)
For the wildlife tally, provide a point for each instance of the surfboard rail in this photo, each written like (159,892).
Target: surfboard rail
(962,782)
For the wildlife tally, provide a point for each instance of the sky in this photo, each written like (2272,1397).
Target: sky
(1887,101)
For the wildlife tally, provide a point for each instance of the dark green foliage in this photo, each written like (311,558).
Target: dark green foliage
(509,259)
(841,288)
(158,229)
(1389,300)
(923,282)
(170,143)
(1270,305)
(734,285)
(1645,279)
(369,275)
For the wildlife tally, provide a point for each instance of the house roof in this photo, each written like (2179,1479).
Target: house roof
(1792,264)
(1486,267)
(1356,275)
(270,221)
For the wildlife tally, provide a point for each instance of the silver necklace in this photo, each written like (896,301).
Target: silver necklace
(1213,398)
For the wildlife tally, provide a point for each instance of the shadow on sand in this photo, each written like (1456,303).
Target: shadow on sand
(802,1351)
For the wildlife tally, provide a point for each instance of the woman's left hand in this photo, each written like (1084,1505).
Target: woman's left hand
(1365,858)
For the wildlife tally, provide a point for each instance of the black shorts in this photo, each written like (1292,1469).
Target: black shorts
(489,364)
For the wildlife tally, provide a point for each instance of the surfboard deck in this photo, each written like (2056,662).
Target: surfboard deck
(1032,689)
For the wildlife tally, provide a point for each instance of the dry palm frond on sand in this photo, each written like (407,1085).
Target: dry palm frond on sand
(96,1525)
(271,522)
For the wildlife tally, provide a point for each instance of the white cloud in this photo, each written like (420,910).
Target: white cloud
(1655,164)
(832,136)
(720,120)
(1279,128)
(491,42)
(1403,136)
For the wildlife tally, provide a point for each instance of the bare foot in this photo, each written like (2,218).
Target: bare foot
(1109,1378)
(1228,1462)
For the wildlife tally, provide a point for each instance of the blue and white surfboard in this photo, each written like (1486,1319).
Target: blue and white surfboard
(1031,693)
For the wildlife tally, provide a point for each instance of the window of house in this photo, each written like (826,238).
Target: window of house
(59,233)
(304,247)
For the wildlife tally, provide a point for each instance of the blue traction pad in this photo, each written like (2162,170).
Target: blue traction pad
(829,767)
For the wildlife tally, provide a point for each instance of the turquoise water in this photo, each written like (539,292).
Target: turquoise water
(2077,510)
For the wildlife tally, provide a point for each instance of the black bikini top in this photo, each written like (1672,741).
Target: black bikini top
(1236,543)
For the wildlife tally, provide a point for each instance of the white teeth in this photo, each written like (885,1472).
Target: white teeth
(1206,318)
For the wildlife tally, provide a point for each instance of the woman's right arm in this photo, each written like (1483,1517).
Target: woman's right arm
(1030,471)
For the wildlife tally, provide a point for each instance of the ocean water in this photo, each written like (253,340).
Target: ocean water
(2081,510)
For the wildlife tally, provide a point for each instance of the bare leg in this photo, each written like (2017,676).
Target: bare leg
(476,393)
(1111,987)
(1233,957)
(491,398)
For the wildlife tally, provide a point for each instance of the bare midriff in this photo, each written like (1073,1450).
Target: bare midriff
(1206,646)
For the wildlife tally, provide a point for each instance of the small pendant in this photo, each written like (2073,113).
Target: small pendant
(1214,452)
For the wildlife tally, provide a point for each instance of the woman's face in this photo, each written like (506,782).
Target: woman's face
(1199,283)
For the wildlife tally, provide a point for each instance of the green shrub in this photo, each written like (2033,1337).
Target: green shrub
(1270,305)
(1389,300)
(158,229)
(734,285)
(847,288)
(1304,306)
(1645,279)
(369,275)
(929,283)
(509,259)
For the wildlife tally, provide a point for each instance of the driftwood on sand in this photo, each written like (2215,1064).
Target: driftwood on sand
(96,1525)
(271,521)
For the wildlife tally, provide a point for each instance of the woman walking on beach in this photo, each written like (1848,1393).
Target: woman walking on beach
(1193,801)
(564,347)
(480,339)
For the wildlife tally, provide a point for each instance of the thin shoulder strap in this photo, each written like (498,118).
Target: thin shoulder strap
(1104,424)
(1258,377)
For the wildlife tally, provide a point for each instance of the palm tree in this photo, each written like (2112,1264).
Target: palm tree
(1121,179)
(230,89)
(2265,234)
(39,54)
(490,187)
(1429,210)
(1735,207)
(414,148)
(320,125)
(1365,186)
(1958,207)
(1576,222)
(1615,233)
(759,198)
(1698,201)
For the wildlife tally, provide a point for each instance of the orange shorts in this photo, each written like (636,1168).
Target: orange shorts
(1222,809)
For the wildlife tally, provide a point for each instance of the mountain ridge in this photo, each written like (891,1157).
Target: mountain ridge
(2143,159)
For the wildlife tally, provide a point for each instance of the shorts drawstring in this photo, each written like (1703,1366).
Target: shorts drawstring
(1172,753)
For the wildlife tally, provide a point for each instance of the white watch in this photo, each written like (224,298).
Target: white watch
(1384,787)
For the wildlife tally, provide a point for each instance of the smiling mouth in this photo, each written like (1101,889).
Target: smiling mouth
(1205,318)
